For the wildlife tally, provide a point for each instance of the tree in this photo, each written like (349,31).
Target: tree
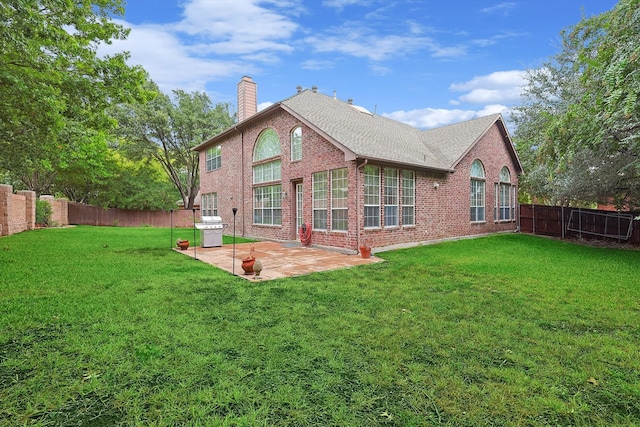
(579,130)
(167,129)
(54,89)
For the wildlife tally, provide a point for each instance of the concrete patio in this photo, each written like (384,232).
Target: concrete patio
(279,259)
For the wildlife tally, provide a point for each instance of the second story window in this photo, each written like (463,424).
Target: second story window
(296,144)
(214,158)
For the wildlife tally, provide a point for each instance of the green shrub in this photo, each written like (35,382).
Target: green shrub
(43,212)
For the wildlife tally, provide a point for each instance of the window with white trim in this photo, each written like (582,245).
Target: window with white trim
(504,202)
(267,199)
(296,144)
(209,204)
(267,205)
(339,200)
(477,192)
(320,193)
(390,197)
(371,196)
(214,158)
(408,197)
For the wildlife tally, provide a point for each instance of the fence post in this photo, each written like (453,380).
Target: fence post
(533,210)
(562,219)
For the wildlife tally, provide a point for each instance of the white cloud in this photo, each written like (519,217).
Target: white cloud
(427,118)
(497,87)
(236,26)
(339,4)
(150,46)
(358,41)
(263,105)
(499,8)
(314,64)
(210,41)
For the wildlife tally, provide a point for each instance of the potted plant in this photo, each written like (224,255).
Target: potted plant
(247,263)
(365,249)
(182,244)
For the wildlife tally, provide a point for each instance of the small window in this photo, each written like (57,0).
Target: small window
(214,158)
(209,204)
(296,144)
(477,192)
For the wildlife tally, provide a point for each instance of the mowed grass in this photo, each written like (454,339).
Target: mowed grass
(108,326)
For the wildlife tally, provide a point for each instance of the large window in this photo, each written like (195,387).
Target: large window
(339,200)
(267,200)
(267,205)
(320,190)
(214,158)
(477,191)
(209,204)
(408,198)
(296,144)
(371,196)
(504,199)
(267,172)
(390,197)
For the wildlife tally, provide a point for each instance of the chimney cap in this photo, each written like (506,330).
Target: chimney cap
(314,89)
(299,88)
(350,101)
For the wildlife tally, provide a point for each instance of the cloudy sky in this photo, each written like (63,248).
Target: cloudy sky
(424,62)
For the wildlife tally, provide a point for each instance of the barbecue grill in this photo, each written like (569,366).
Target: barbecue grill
(210,231)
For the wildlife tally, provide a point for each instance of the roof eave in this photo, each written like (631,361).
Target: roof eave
(383,161)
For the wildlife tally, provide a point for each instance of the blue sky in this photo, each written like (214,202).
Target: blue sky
(427,63)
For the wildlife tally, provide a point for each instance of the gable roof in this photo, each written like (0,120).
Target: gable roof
(363,135)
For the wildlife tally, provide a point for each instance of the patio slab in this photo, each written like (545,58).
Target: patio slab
(278,259)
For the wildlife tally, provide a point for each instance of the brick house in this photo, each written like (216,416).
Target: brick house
(356,177)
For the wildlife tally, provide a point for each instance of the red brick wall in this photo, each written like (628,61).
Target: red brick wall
(441,212)
(17,211)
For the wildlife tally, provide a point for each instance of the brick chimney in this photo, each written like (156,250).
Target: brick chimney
(247,98)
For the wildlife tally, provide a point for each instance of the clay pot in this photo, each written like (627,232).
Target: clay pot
(365,252)
(183,245)
(247,265)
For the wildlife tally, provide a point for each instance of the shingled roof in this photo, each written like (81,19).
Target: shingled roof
(361,134)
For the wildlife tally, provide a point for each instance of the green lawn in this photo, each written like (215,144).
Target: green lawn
(108,326)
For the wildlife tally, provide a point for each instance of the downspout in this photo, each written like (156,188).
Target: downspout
(358,203)
(243,180)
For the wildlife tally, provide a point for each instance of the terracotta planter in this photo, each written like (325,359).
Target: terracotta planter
(184,245)
(247,265)
(365,252)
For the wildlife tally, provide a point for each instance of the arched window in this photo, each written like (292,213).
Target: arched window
(503,194)
(296,144)
(267,199)
(268,145)
(477,191)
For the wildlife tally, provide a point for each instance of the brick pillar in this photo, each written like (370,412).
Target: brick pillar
(5,208)
(30,208)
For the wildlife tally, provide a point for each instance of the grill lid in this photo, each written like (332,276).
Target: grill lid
(212,220)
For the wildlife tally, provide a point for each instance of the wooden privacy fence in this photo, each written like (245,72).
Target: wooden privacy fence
(80,214)
(566,222)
